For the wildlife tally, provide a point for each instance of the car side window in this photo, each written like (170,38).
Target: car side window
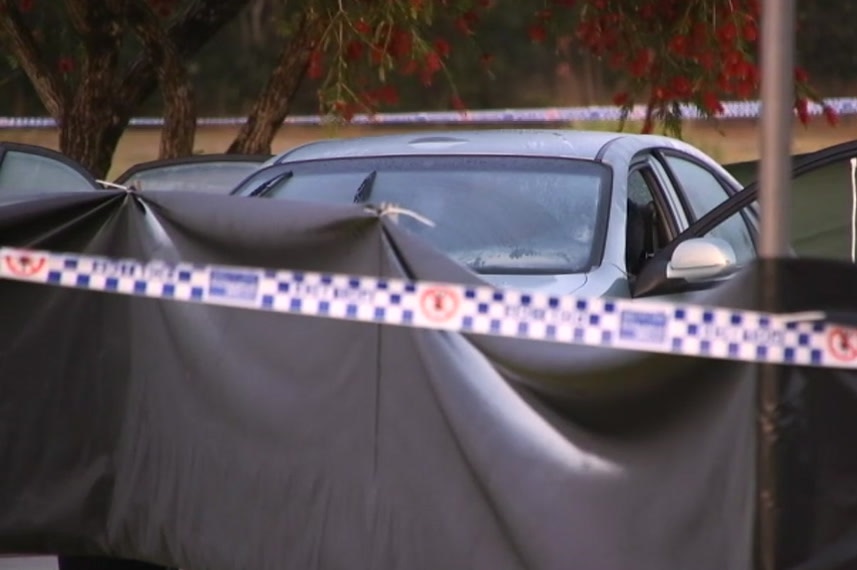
(646,231)
(29,172)
(639,191)
(703,192)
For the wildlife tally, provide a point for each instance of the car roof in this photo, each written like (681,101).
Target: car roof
(565,143)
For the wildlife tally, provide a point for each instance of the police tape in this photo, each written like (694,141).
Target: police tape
(844,106)
(642,325)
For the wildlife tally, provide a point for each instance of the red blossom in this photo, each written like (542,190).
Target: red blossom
(65,65)
(537,33)
(802,108)
(621,99)
(441,46)
(830,115)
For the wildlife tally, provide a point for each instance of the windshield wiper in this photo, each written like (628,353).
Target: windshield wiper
(266,187)
(365,189)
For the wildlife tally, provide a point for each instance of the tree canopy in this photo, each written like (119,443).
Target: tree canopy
(93,65)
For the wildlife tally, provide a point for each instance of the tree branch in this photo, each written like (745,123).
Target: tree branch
(18,41)
(199,23)
(90,117)
(101,35)
(180,114)
(274,101)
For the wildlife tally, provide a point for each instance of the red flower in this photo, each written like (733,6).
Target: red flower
(441,46)
(362,27)
(621,99)
(25,5)
(711,103)
(65,65)
(537,33)
(432,63)
(387,94)
(830,115)
(679,45)
(802,108)
(681,86)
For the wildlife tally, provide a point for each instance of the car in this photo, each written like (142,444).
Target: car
(27,169)
(560,211)
(209,173)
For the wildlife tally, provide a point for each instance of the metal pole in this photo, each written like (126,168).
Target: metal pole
(777,118)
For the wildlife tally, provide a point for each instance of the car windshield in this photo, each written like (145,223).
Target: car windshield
(493,214)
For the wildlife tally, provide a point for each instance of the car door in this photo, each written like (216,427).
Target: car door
(822,200)
(28,169)
(658,214)
(823,182)
(209,173)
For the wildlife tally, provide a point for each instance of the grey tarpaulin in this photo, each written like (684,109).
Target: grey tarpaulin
(217,439)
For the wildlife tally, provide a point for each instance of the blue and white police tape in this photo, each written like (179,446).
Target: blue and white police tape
(652,326)
(731,110)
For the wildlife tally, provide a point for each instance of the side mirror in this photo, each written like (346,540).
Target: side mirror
(701,259)
(695,264)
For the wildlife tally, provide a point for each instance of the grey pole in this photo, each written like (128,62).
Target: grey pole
(777,118)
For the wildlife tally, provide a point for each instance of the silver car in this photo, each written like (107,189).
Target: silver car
(563,211)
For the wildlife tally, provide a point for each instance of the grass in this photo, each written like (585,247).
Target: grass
(728,141)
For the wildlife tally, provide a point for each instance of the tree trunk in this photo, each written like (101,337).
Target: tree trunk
(272,106)
(179,128)
(90,136)
(90,115)
(94,117)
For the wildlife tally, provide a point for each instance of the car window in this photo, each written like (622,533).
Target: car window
(734,230)
(648,224)
(701,189)
(639,191)
(493,214)
(211,177)
(703,192)
(30,172)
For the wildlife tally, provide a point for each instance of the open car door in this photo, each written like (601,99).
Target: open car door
(209,173)
(823,217)
(28,169)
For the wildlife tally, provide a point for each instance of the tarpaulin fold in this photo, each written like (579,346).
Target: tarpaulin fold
(214,438)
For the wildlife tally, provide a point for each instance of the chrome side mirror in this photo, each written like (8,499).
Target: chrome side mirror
(702,258)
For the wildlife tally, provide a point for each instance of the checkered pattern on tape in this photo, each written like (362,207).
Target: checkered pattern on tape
(744,336)
(531,315)
(184,282)
(642,325)
(338,296)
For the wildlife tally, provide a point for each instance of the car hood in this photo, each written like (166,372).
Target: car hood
(551,284)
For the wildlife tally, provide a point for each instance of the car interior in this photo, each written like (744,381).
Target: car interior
(643,237)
